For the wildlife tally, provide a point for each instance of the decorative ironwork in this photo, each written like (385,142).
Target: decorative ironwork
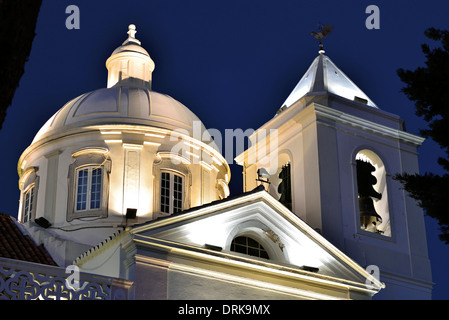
(20,280)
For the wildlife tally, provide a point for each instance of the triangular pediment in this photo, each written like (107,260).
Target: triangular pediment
(290,243)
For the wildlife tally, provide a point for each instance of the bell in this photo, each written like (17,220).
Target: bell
(369,219)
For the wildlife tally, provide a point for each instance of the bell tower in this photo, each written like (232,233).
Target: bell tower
(342,152)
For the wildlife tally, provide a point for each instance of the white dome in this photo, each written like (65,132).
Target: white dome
(130,47)
(121,104)
(128,100)
(125,131)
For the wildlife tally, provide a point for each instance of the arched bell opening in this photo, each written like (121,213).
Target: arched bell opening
(372,193)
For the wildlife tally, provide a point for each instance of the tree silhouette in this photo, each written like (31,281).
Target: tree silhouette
(428,87)
(17,24)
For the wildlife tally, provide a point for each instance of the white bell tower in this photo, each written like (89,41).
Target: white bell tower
(336,156)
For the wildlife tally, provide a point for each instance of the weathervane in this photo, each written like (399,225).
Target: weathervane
(323,31)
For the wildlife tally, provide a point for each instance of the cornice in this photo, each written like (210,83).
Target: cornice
(347,119)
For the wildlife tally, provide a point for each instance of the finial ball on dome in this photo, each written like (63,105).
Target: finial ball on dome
(132,31)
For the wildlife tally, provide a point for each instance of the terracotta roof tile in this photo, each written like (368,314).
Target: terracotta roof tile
(16,245)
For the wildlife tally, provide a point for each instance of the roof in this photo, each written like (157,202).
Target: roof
(122,104)
(111,240)
(14,244)
(294,246)
(128,100)
(323,76)
(259,188)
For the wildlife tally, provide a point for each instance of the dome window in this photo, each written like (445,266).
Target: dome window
(88,189)
(88,184)
(172,192)
(29,184)
(28,204)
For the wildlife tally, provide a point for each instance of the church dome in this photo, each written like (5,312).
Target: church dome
(121,104)
(130,46)
(118,155)
(127,100)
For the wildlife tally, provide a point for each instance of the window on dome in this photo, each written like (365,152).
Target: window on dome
(29,184)
(88,184)
(28,204)
(249,246)
(172,185)
(172,191)
(88,188)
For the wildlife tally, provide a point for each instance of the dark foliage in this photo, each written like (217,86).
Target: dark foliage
(431,192)
(17,24)
(428,88)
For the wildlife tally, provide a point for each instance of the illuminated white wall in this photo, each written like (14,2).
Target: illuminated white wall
(323,136)
(132,181)
(195,249)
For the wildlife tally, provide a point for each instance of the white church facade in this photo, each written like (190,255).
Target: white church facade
(126,183)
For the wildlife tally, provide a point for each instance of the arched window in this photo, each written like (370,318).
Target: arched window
(29,183)
(29,204)
(372,193)
(88,184)
(172,183)
(249,246)
(88,188)
(172,192)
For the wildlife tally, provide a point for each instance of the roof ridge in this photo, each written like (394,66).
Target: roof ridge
(99,247)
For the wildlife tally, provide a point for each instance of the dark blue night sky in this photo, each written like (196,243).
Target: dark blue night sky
(233,63)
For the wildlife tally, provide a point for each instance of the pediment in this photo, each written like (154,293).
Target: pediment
(290,243)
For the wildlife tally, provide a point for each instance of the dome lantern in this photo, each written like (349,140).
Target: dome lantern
(130,64)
